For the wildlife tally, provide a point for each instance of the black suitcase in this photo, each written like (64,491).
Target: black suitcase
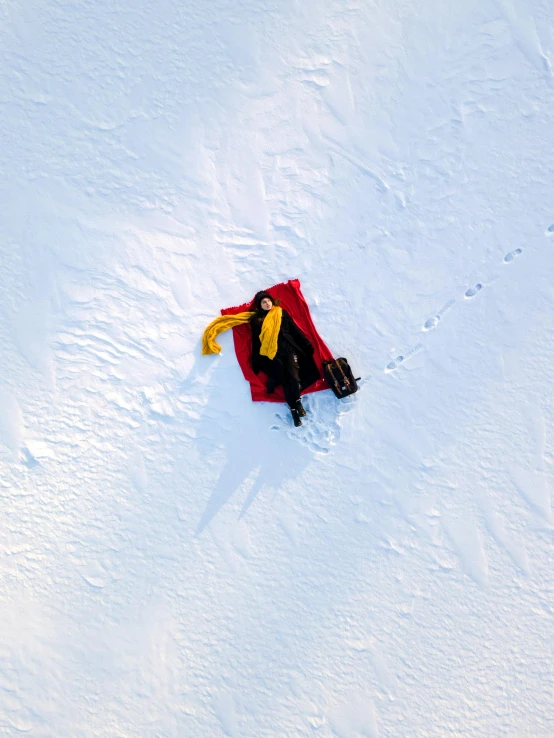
(340,377)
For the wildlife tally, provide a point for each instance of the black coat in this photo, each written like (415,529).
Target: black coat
(290,338)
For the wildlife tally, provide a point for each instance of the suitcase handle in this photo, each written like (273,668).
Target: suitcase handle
(346,380)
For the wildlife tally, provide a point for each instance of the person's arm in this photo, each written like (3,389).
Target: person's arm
(300,338)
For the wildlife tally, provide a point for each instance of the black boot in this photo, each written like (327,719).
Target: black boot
(295,417)
(300,409)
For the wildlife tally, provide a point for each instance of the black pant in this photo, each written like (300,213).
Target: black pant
(291,378)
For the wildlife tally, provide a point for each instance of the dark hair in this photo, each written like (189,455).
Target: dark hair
(257,301)
(256,306)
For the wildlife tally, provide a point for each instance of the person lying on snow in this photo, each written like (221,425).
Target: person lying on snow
(279,349)
(292,364)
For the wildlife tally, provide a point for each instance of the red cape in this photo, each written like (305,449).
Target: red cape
(292,300)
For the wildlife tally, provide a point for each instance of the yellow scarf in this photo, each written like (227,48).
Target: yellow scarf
(268,336)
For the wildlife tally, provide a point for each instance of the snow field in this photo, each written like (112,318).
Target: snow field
(177,561)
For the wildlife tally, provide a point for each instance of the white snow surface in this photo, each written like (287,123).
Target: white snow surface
(178,561)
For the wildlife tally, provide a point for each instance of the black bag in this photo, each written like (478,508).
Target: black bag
(340,378)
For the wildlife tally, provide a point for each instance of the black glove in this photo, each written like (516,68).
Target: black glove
(271,384)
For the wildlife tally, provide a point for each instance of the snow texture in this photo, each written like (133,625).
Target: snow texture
(176,560)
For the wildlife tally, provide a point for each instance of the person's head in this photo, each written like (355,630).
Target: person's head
(263,302)
(266,303)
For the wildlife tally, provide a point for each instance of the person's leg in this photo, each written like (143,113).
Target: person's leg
(291,385)
(295,377)
(275,374)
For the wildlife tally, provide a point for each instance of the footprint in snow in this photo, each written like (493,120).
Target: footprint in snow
(392,365)
(512,255)
(433,322)
(395,363)
(472,291)
(550,230)
(321,427)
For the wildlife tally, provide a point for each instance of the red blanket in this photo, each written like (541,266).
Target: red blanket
(292,300)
